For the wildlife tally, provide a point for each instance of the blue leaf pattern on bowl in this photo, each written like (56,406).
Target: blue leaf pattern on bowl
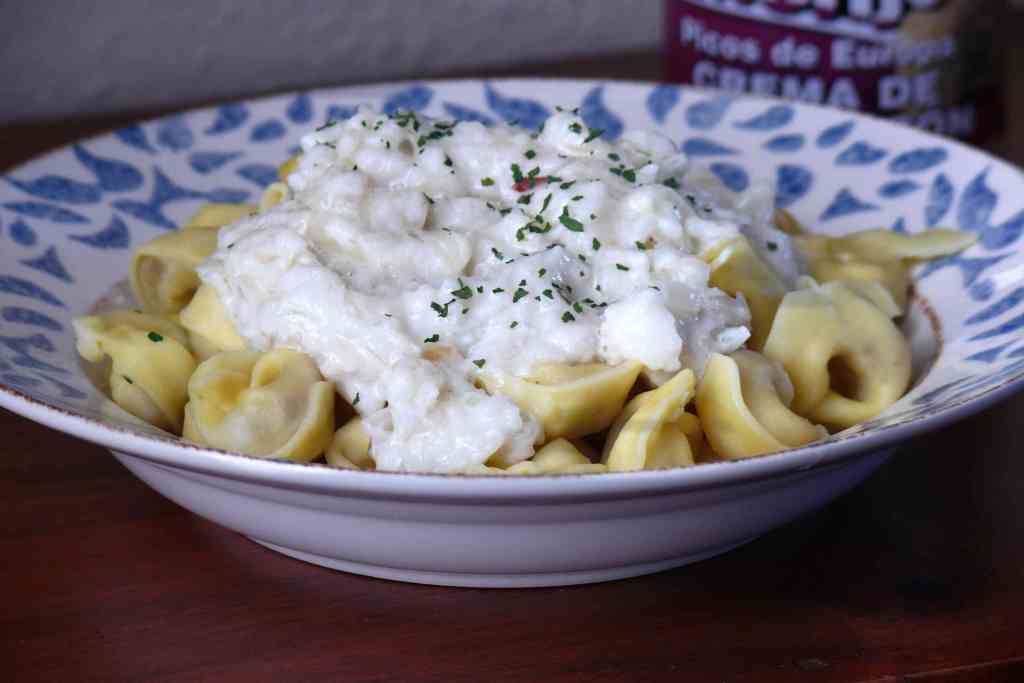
(112,175)
(50,264)
(22,233)
(860,154)
(229,117)
(261,174)
(597,117)
(460,113)
(58,189)
(845,204)
(1004,305)
(114,236)
(134,136)
(785,143)
(898,188)
(205,162)
(703,147)
(731,175)
(174,134)
(515,110)
(707,114)
(413,98)
(25,316)
(661,100)
(918,160)
(833,135)
(940,199)
(300,110)
(775,117)
(791,184)
(46,212)
(267,131)
(10,284)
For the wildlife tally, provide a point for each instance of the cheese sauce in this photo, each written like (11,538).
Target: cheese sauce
(414,254)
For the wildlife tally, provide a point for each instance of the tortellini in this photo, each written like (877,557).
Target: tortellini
(209,328)
(217,215)
(845,357)
(273,195)
(557,457)
(163,271)
(737,269)
(150,363)
(654,431)
(273,405)
(569,401)
(743,402)
(350,447)
(287,168)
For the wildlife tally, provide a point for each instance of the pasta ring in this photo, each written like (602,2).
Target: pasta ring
(743,402)
(816,326)
(350,447)
(654,430)
(557,457)
(882,246)
(737,269)
(568,400)
(163,271)
(210,329)
(270,405)
(150,363)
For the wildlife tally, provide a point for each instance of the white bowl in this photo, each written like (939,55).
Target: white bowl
(70,219)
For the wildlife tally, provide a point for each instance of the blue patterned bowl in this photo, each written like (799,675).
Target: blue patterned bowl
(69,221)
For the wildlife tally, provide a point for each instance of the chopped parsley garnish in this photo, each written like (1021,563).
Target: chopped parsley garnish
(519,294)
(529,154)
(427,197)
(642,246)
(575,128)
(154,337)
(596,244)
(487,182)
(448,161)
(594,133)
(533,172)
(542,272)
(613,156)
(497,254)
(568,317)
(497,290)
(629,175)
(568,221)
(326,125)
(128,379)
(517,173)
(513,325)
(544,206)
(504,212)
(581,257)
(442,311)
(621,266)
(772,246)
(463,292)
(577,307)
(355,401)
(525,199)
(479,362)
(577,198)
(671,182)
(548,294)
(404,118)
(566,186)
(433,339)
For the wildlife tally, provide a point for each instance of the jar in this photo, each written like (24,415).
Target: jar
(935,64)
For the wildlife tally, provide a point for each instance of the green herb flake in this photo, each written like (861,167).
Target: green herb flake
(568,221)
(355,401)
(433,339)
(566,186)
(519,294)
(479,362)
(577,198)
(548,294)
(487,182)
(128,379)
(427,197)
(621,266)
(497,254)
(568,317)
(326,126)
(525,199)
(463,292)
(613,156)
(594,133)
(542,272)
(497,290)
(517,173)
(671,182)
(448,161)
(772,246)
(577,307)
(529,154)
(629,175)
(575,128)
(513,325)
(596,244)
(442,311)
(642,246)
(544,206)
(154,337)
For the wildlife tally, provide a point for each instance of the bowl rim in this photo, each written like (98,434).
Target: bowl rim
(173,453)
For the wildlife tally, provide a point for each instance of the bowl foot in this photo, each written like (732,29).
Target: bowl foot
(525,580)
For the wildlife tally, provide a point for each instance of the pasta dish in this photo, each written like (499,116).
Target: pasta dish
(434,296)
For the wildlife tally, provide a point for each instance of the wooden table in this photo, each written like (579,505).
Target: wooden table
(916,575)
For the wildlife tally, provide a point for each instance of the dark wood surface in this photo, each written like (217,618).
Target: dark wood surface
(916,575)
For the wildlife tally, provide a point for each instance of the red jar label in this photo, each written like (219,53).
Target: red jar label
(929,63)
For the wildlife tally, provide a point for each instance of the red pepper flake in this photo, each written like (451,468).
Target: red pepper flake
(529,183)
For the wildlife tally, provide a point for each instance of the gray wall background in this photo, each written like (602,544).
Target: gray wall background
(70,57)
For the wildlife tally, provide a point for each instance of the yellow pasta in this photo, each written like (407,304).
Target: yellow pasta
(882,246)
(287,168)
(651,431)
(557,457)
(845,357)
(209,328)
(737,269)
(150,363)
(569,401)
(273,195)
(273,405)
(218,215)
(163,275)
(743,402)
(350,447)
